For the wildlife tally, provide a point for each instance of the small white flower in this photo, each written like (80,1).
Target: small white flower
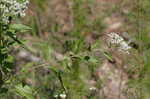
(115,38)
(63,96)
(92,88)
(124,47)
(56,96)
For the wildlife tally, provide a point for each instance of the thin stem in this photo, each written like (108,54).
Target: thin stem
(62,83)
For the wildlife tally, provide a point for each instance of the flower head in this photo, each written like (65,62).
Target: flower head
(114,38)
(12,8)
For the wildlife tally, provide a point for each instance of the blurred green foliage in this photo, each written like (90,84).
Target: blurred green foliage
(74,63)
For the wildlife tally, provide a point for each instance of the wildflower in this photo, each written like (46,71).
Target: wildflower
(12,8)
(115,38)
(118,40)
(56,96)
(63,96)
(92,88)
(124,47)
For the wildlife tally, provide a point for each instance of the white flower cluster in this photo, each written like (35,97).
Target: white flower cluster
(92,88)
(116,39)
(12,8)
(62,96)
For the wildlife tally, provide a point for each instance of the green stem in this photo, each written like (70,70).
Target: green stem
(62,83)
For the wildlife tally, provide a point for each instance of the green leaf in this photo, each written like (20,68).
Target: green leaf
(108,56)
(93,60)
(19,27)
(24,91)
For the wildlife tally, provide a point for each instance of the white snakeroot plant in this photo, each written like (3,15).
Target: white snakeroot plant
(123,46)
(11,9)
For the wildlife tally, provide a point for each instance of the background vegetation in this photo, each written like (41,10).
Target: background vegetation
(66,51)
